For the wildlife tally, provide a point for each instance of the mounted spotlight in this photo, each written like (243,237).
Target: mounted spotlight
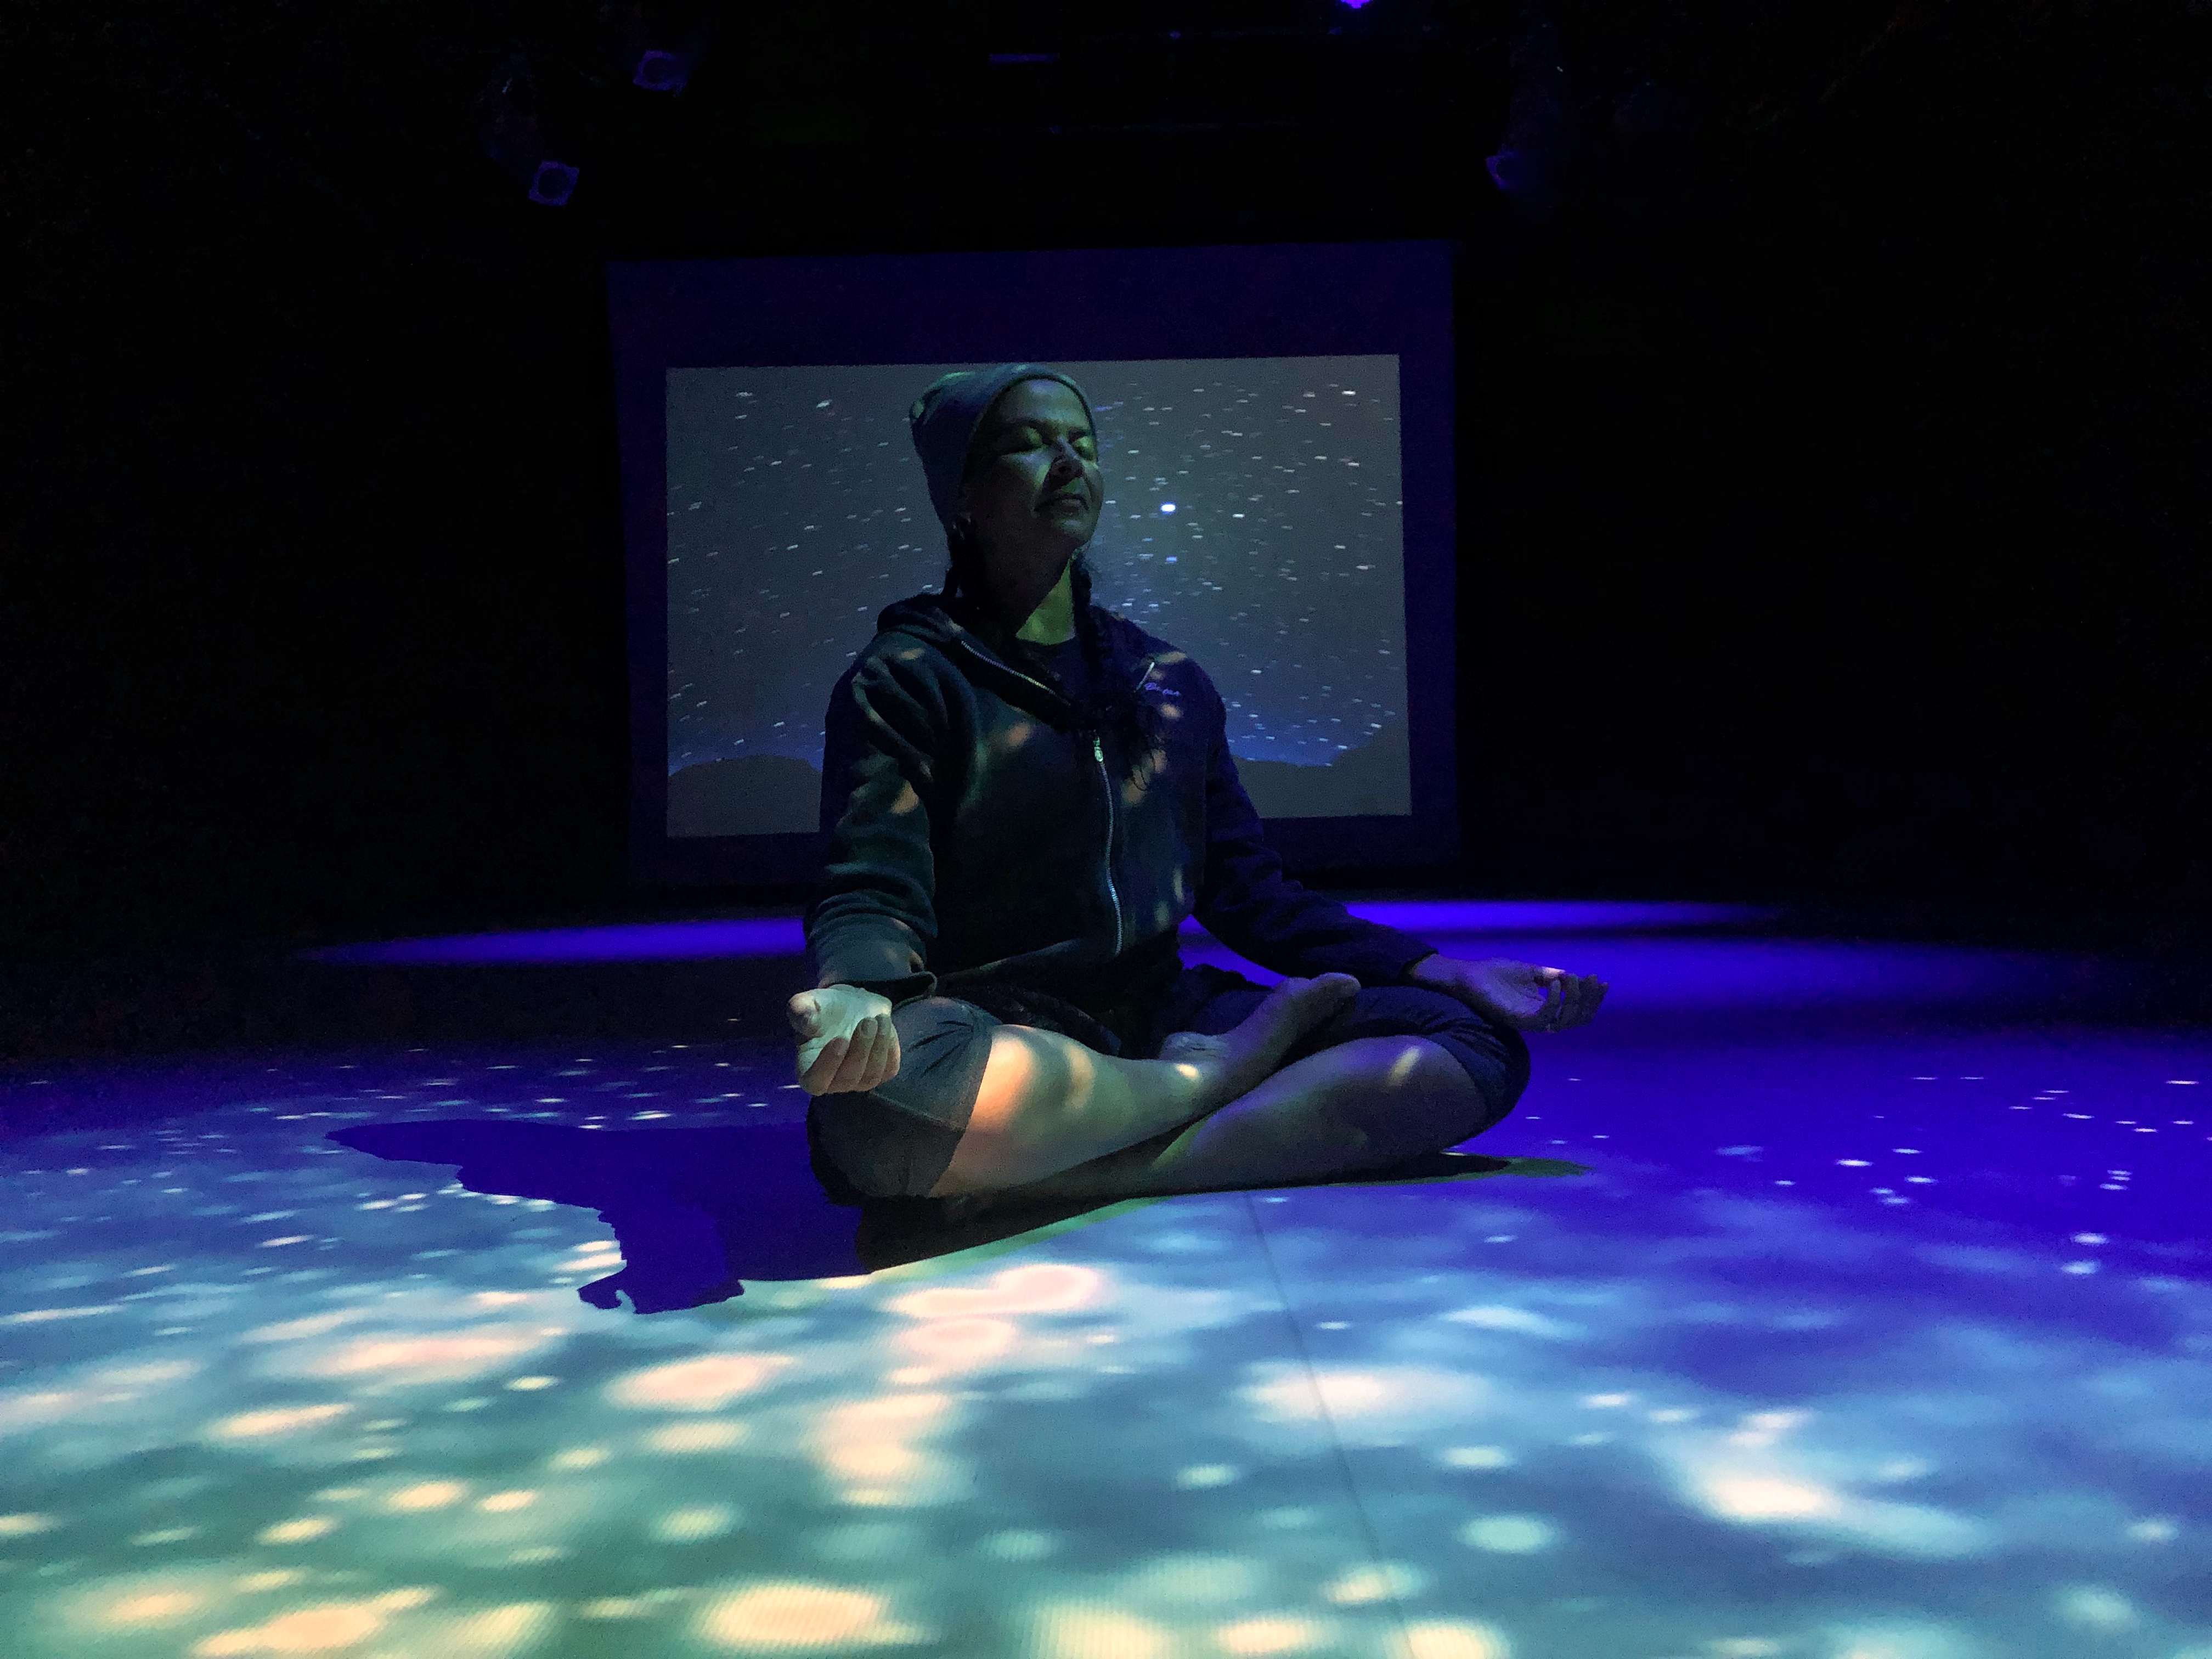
(664,70)
(1527,164)
(660,71)
(658,43)
(513,136)
(553,183)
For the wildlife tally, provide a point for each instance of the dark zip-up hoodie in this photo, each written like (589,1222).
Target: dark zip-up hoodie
(978,835)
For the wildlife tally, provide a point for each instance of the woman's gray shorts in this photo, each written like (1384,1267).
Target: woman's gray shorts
(896,1141)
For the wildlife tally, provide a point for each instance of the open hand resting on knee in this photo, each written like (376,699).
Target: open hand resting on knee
(1517,993)
(846,1043)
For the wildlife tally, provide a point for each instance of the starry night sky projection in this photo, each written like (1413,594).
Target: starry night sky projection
(1251,518)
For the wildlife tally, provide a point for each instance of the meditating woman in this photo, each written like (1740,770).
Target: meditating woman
(1025,796)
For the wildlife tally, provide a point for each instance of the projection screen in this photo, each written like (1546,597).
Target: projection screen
(1282,515)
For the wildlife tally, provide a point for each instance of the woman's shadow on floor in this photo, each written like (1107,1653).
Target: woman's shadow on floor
(698,1211)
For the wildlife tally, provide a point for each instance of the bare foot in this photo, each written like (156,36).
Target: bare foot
(1236,1062)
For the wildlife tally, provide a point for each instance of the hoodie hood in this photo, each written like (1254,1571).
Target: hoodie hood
(938,622)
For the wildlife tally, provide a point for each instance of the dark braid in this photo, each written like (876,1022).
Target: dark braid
(963,578)
(1117,706)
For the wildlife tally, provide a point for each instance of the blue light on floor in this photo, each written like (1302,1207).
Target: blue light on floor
(641,941)
(764,936)
(1878,1344)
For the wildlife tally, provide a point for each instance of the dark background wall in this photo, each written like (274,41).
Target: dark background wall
(1833,441)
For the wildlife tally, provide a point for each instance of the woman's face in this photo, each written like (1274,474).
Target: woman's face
(1035,489)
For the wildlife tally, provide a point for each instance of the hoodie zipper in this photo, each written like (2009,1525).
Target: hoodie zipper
(1113,896)
(1105,779)
(1098,753)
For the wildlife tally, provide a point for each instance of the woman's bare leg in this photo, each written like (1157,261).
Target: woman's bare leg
(1047,1103)
(1358,1106)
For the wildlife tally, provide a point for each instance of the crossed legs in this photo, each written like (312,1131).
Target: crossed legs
(1358,1106)
(1053,1119)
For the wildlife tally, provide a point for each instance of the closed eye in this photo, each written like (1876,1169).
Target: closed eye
(1083,442)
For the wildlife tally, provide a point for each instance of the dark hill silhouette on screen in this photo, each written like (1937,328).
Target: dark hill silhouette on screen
(751,795)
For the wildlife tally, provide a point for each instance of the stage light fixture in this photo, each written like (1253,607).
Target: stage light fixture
(1526,166)
(668,69)
(553,183)
(508,112)
(660,71)
(1510,171)
(656,44)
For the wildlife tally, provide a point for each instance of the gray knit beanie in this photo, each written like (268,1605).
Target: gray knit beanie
(944,420)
